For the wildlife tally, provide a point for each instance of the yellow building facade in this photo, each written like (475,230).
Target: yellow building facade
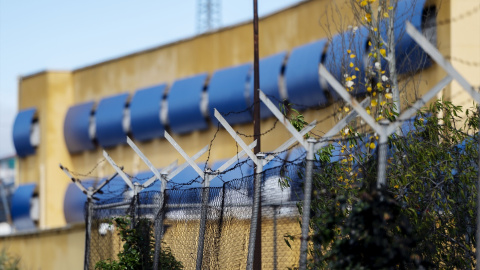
(52,93)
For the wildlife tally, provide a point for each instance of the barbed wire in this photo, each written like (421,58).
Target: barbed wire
(460,17)
(463,61)
(89,173)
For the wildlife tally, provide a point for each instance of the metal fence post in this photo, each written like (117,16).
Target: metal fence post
(6,208)
(158,223)
(136,189)
(203,218)
(88,232)
(477,267)
(255,211)
(382,154)
(306,204)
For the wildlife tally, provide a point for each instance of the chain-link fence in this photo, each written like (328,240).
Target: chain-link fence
(227,226)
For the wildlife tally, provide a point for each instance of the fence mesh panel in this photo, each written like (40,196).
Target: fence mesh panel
(227,223)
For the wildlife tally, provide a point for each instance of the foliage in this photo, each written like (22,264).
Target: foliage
(8,262)
(425,216)
(138,248)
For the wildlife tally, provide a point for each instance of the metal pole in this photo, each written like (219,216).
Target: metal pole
(256,216)
(88,232)
(159,223)
(5,202)
(256,125)
(203,219)
(256,80)
(306,204)
(382,155)
(275,255)
(136,189)
(477,236)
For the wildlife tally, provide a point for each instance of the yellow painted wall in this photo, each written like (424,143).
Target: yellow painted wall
(464,54)
(56,249)
(52,94)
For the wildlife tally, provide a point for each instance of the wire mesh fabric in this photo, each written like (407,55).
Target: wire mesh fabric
(228,220)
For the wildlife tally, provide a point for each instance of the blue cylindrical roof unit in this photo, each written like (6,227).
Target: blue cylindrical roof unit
(109,120)
(270,74)
(21,205)
(338,58)
(76,128)
(408,54)
(301,76)
(145,113)
(22,130)
(184,104)
(227,92)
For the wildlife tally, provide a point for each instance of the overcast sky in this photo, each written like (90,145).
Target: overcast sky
(37,35)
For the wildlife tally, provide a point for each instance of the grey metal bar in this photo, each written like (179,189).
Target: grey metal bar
(144,158)
(281,118)
(275,253)
(110,205)
(289,142)
(3,194)
(185,164)
(88,233)
(348,98)
(477,233)
(75,181)
(441,61)
(158,228)
(255,212)
(382,155)
(418,105)
(184,155)
(203,220)
(235,136)
(339,126)
(118,169)
(306,204)
(236,157)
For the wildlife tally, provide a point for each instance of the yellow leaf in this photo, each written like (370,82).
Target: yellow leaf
(388,95)
(372,145)
(368,110)
(379,86)
(368,17)
(352,55)
(396,186)
(369,43)
(373,103)
(354,77)
(385,14)
(357,69)
(363,3)
(374,93)
(348,51)
(369,89)
(382,103)
(347,109)
(383,52)
(371,1)
(351,64)
(375,29)
(390,8)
